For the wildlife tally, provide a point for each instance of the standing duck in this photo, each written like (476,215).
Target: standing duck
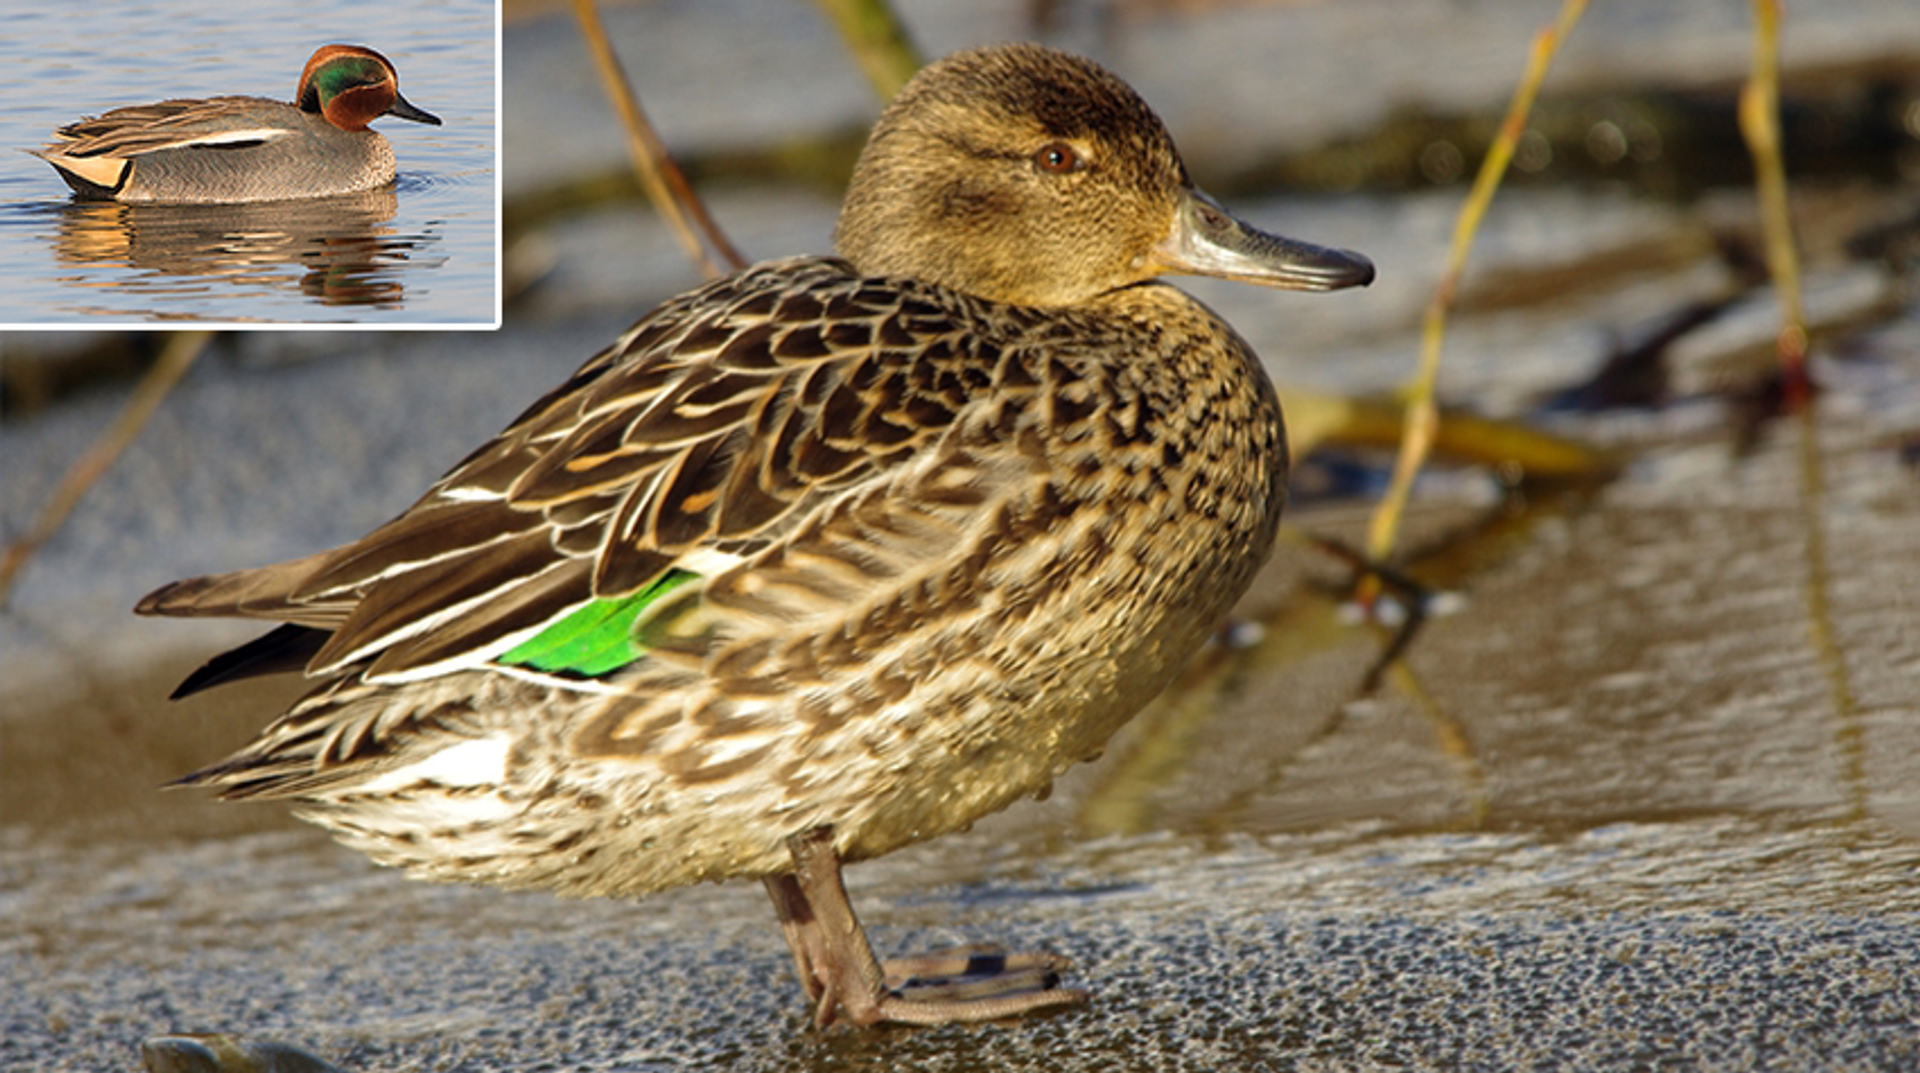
(819,560)
(224,150)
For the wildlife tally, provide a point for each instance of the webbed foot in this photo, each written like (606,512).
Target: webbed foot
(845,981)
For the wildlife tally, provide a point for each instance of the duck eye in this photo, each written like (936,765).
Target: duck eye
(1057,158)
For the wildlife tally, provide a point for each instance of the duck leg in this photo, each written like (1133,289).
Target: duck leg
(843,979)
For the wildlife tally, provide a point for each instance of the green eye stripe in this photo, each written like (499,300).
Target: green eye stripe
(346,73)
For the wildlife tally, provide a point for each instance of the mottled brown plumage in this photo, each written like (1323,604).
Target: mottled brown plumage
(891,541)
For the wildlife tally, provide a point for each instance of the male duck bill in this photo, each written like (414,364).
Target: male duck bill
(818,560)
(225,150)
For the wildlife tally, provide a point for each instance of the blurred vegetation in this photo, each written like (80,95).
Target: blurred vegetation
(1855,123)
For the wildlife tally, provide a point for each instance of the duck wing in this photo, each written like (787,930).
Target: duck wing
(139,129)
(705,435)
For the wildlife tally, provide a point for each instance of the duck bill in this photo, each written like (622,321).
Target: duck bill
(1207,240)
(405,110)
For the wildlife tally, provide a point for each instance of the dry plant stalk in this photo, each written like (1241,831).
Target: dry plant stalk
(178,356)
(1423,414)
(1760,126)
(660,177)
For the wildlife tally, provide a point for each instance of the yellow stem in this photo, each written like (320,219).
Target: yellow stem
(1760,125)
(1423,414)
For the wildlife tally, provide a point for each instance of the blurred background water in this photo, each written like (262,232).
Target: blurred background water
(423,253)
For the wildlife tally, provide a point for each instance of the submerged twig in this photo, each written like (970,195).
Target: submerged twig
(175,359)
(1414,599)
(1760,125)
(878,40)
(660,177)
(1423,415)
(1455,743)
(1820,629)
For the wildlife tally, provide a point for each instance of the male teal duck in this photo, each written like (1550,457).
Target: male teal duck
(223,150)
(819,560)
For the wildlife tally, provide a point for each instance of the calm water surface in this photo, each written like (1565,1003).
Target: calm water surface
(424,252)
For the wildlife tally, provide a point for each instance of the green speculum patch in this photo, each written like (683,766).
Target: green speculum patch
(597,639)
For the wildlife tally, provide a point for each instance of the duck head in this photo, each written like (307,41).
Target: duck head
(352,86)
(1027,175)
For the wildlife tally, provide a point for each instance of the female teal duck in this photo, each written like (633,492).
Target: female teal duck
(234,149)
(818,560)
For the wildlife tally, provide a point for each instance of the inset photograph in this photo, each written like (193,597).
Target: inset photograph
(281,163)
